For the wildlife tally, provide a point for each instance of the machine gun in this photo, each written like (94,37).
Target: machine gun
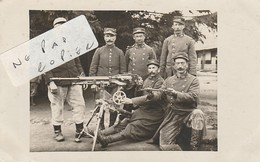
(120,79)
(160,90)
(106,102)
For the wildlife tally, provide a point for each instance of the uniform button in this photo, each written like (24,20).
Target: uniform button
(110,56)
(109,68)
(133,53)
(133,69)
(185,80)
(109,72)
(183,86)
(172,98)
(143,53)
(110,49)
(110,53)
(142,58)
(134,64)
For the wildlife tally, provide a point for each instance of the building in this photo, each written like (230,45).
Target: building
(207,51)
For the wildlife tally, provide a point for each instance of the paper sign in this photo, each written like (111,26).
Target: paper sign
(49,50)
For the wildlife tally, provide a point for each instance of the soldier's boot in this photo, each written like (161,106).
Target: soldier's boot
(196,136)
(58,136)
(105,140)
(108,131)
(79,132)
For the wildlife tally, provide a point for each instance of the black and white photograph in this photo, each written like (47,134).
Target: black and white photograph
(150,85)
(126,81)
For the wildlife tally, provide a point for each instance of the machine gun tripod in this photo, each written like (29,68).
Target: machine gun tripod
(106,102)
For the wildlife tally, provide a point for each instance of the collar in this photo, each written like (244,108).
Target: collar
(182,76)
(178,35)
(110,46)
(139,46)
(154,77)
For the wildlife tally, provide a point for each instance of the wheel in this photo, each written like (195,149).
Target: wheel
(118,97)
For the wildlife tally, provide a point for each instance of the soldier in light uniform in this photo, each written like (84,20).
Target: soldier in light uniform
(108,60)
(178,42)
(138,54)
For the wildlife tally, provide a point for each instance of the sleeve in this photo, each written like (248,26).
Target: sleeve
(79,66)
(163,57)
(192,58)
(94,64)
(47,76)
(127,59)
(191,95)
(122,62)
(152,54)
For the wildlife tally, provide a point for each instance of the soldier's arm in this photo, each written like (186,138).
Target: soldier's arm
(79,66)
(163,57)
(94,64)
(193,59)
(191,95)
(152,54)
(122,63)
(127,59)
(47,76)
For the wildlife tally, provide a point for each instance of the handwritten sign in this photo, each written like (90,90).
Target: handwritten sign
(49,50)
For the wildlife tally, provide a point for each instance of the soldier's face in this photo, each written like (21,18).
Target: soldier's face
(110,39)
(153,70)
(139,38)
(178,27)
(180,65)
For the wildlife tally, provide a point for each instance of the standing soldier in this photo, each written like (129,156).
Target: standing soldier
(137,55)
(108,60)
(178,42)
(61,91)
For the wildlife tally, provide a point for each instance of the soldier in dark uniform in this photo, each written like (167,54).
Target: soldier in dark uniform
(138,54)
(182,100)
(145,119)
(108,60)
(178,42)
(137,57)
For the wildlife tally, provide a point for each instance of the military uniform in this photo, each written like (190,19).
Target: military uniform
(172,45)
(145,120)
(181,110)
(107,61)
(137,58)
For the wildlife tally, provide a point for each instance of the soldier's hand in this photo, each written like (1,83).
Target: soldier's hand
(171,92)
(127,101)
(94,88)
(53,87)
(150,95)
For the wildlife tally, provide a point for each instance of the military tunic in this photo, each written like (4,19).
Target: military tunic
(137,58)
(148,117)
(107,61)
(172,45)
(179,107)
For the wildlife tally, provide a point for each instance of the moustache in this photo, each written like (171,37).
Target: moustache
(180,69)
(152,73)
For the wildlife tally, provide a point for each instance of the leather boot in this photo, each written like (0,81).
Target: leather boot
(105,140)
(196,136)
(113,116)
(108,131)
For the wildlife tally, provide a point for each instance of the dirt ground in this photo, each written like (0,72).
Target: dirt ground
(41,130)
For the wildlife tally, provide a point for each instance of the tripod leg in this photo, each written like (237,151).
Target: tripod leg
(83,130)
(101,110)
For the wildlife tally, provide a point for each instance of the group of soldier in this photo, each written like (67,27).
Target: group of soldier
(158,116)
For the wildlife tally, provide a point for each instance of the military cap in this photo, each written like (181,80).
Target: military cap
(138,30)
(110,31)
(154,62)
(182,55)
(179,19)
(59,20)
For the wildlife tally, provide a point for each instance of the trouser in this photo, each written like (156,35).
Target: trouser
(194,120)
(74,97)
